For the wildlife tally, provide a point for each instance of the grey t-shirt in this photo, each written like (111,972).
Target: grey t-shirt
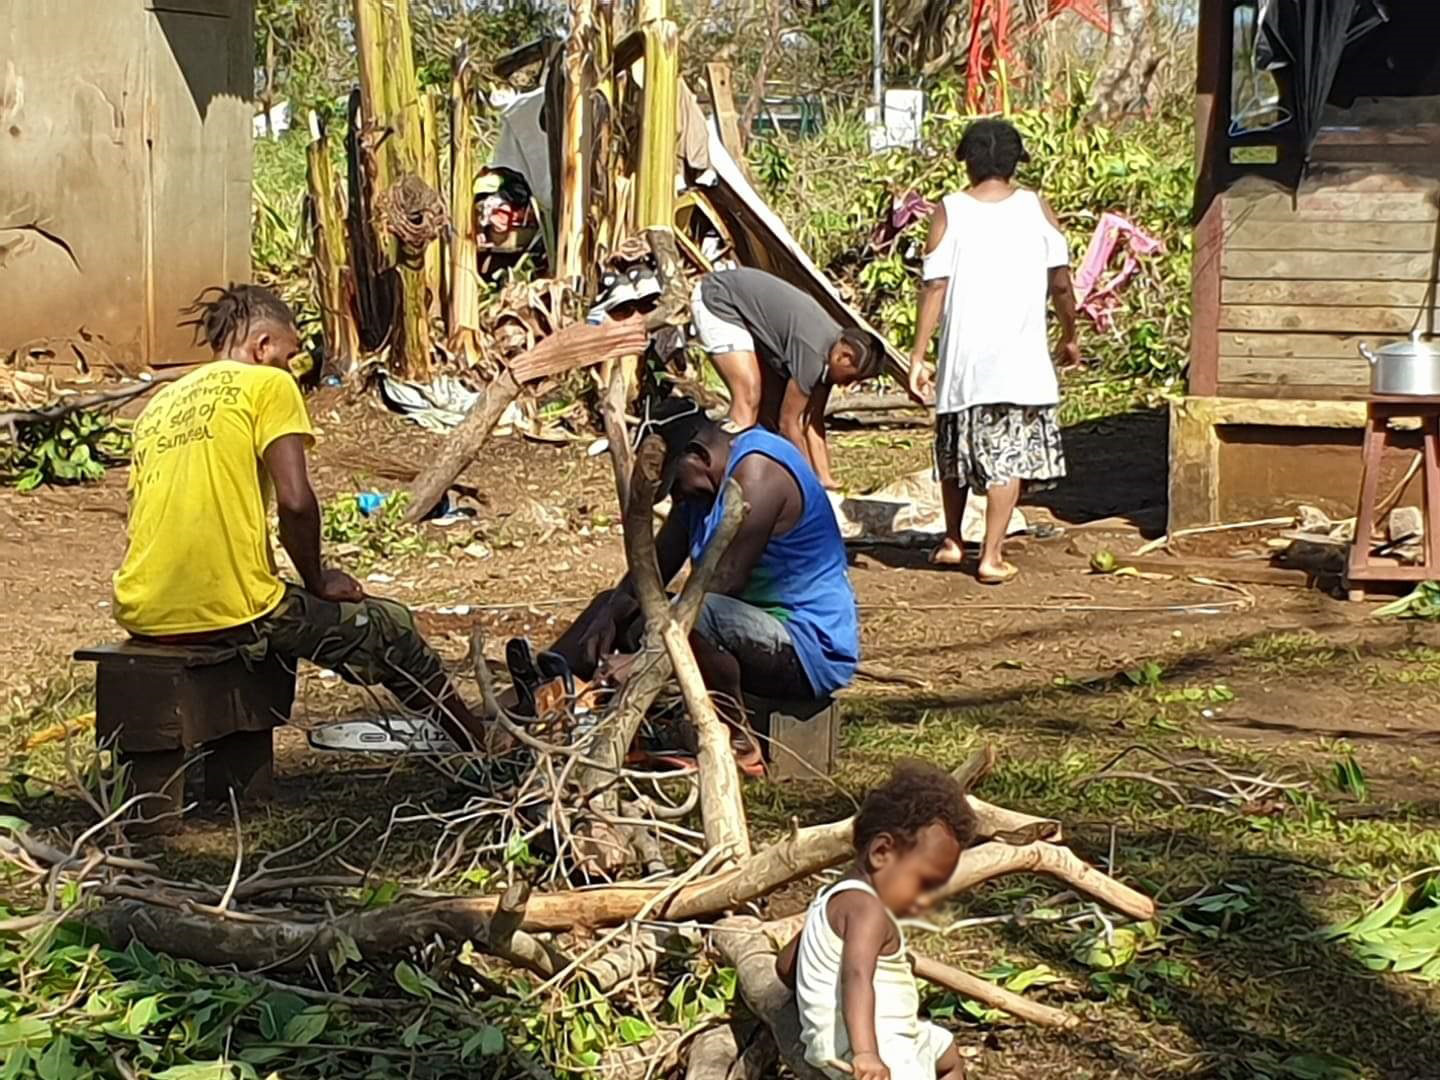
(792,332)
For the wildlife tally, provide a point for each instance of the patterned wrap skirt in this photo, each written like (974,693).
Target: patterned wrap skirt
(986,446)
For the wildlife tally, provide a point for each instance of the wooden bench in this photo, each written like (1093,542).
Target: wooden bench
(161,703)
(801,738)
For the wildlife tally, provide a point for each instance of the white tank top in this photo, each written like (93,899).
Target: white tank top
(817,986)
(993,343)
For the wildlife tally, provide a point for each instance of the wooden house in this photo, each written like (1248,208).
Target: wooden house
(125,169)
(1316,211)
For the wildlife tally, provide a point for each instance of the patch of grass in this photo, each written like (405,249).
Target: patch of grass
(1294,651)
(1235,979)
(57,708)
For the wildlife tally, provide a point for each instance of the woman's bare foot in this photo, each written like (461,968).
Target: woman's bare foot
(949,553)
(996,573)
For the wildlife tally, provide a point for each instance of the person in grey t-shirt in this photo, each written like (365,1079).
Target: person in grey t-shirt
(779,354)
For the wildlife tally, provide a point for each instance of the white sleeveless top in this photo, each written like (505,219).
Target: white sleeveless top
(993,345)
(817,987)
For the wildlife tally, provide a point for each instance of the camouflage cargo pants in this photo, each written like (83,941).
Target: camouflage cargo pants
(372,643)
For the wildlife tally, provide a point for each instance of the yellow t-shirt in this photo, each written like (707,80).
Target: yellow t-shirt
(199,556)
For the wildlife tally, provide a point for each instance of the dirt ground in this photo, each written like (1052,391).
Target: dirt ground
(550,539)
(1060,669)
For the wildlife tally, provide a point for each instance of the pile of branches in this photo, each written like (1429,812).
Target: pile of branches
(618,874)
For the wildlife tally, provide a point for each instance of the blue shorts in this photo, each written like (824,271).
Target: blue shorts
(769,664)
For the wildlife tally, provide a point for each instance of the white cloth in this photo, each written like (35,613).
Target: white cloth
(993,345)
(716,335)
(909,1048)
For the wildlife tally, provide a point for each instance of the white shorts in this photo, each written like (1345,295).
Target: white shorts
(716,335)
(907,1058)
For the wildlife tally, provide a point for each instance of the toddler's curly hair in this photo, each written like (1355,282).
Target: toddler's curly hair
(916,795)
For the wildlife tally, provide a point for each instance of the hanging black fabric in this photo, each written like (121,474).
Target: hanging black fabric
(1307,39)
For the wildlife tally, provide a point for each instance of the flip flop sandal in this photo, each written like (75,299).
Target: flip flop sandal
(553,666)
(520,660)
(390,735)
(1009,573)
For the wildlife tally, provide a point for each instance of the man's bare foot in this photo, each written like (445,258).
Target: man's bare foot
(949,553)
(996,573)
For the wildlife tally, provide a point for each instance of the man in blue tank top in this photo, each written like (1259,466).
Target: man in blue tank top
(780,619)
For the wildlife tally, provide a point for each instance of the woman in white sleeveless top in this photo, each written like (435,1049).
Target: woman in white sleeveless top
(994,255)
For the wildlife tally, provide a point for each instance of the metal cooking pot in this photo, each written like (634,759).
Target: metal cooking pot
(1406,368)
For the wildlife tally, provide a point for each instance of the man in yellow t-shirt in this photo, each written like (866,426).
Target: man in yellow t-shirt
(211,450)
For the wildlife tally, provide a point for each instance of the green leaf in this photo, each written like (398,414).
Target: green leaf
(1039,975)
(1381,917)
(492,1041)
(142,1014)
(411,1035)
(277,1010)
(408,979)
(200,1070)
(307,1026)
(633,1030)
(343,950)
(13,824)
(58,1061)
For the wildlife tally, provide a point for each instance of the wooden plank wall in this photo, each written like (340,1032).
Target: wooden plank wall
(1307,277)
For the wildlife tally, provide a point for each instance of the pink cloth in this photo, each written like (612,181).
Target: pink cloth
(1098,298)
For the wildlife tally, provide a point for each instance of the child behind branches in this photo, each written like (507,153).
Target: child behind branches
(859,1005)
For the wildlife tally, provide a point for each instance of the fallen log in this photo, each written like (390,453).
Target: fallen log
(996,859)
(213,939)
(713,1053)
(744,946)
(571,347)
(82,402)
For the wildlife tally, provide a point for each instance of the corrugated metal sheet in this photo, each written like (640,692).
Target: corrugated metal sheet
(124,167)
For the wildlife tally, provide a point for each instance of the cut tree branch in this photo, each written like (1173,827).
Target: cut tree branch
(722,808)
(572,347)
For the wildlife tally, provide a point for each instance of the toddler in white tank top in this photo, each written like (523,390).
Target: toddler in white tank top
(854,986)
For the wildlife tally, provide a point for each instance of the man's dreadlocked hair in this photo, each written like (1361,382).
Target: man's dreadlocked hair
(917,795)
(222,317)
(991,150)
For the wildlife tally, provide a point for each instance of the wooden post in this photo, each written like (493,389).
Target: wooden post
(463,313)
(722,99)
(330,254)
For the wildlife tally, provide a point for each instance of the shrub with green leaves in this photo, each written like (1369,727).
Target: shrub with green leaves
(361,540)
(832,191)
(74,449)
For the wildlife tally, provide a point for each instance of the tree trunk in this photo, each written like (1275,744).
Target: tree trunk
(570,217)
(394,148)
(1122,85)
(329,254)
(463,312)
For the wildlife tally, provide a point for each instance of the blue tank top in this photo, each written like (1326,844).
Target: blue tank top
(802,577)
